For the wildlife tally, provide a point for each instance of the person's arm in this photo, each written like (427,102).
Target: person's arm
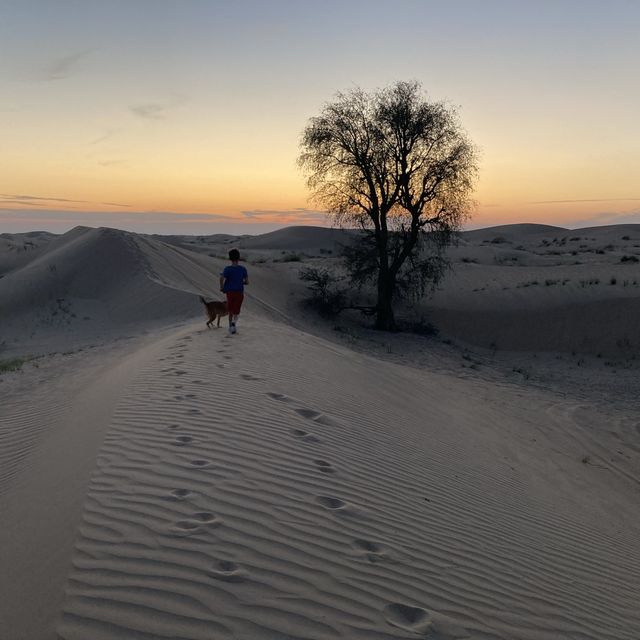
(222,279)
(245,280)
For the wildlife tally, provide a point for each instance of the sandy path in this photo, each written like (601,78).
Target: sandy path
(273,485)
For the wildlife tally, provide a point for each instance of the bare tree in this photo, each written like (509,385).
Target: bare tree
(402,169)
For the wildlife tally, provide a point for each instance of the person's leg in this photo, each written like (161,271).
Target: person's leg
(236,312)
(234,301)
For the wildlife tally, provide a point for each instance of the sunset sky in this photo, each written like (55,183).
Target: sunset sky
(185,116)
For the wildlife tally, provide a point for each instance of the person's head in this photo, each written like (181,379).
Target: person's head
(234,255)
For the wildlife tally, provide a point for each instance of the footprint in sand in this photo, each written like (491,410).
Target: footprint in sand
(316,416)
(180,372)
(305,436)
(333,504)
(197,381)
(180,494)
(178,397)
(196,523)
(190,395)
(227,571)
(279,396)
(227,357)
(414,619)
(370,550)
(178,386)
(173,427)
(193,411)
(201,464)
(310,414)
(180,441)
(324,466)
(246,376)
(220,366)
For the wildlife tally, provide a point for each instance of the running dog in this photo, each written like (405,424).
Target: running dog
(215,309)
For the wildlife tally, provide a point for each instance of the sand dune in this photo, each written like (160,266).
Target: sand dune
(242,491)
(188,484)
(92,283)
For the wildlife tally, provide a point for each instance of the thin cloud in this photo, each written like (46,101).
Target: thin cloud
(586,200)
(34,199)
(287,215)
(151,222)
(157,110)
(40,201)
(149,111)
(604,218)
(106,136)
(64,66)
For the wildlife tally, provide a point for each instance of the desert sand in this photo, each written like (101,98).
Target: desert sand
(311,478)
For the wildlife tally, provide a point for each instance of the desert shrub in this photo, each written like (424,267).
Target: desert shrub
(613,280)
(12,364)
(291,257)
(328,295)
(629,259)
(626,238)
(498,240)
(423,327)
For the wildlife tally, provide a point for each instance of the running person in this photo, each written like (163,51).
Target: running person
(232,281)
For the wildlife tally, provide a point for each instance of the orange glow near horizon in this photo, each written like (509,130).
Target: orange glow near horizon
(197,108)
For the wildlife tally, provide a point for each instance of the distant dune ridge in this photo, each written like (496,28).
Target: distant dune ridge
(515,287)
(279,483)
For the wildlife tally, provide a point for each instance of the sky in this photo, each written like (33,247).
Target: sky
(185,116)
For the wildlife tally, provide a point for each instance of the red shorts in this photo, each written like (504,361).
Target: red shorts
(234,302)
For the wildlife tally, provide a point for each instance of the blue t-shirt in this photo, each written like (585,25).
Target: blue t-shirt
(234,275)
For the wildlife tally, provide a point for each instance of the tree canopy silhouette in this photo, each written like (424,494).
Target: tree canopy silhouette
(402,169)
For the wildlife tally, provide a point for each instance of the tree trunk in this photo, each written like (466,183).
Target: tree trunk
(385,320)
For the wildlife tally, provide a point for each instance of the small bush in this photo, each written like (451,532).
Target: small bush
(424,328)
(12,364)
(327,295)
(291,257)
(629,259)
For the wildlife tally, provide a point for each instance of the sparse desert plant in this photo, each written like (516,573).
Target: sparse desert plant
(328,295)
(423,328)
(12,364)
(499,240)
(550,282)
(613,280)
(291,257)
(626,238)
(629,259)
